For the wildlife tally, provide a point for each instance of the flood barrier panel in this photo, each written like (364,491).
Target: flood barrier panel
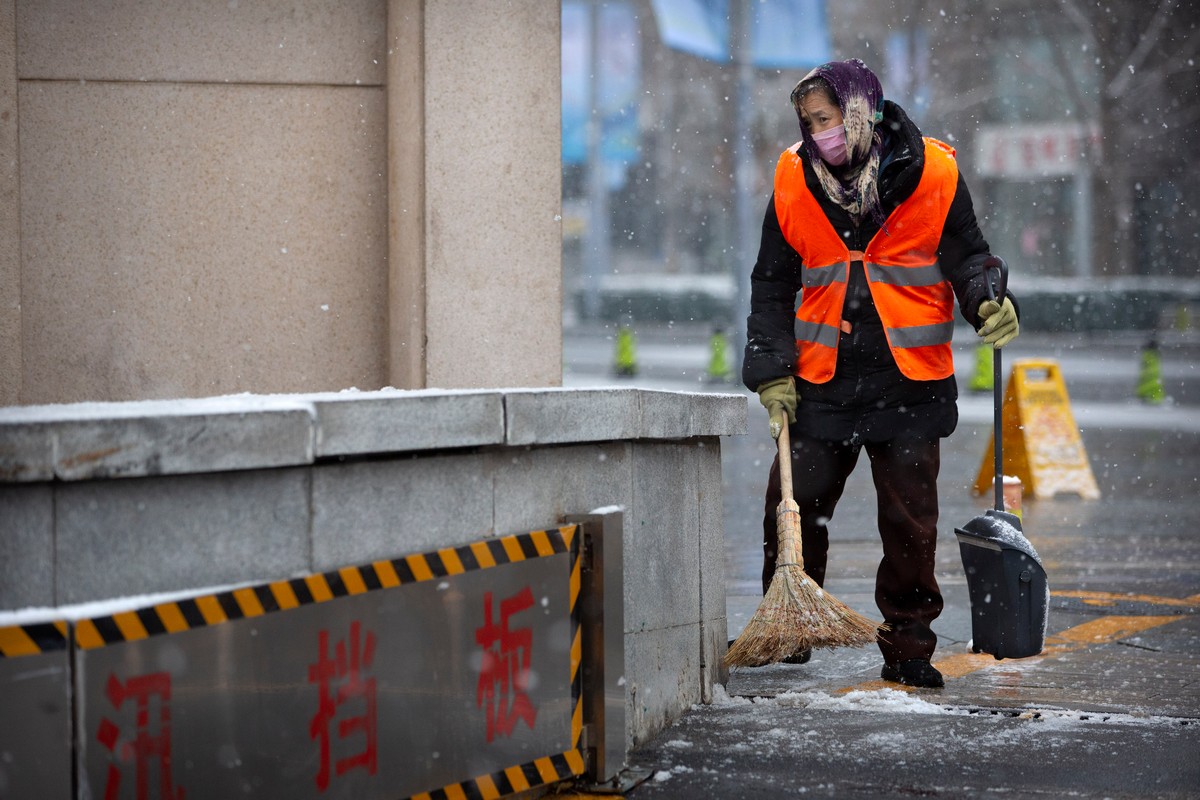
(457,672)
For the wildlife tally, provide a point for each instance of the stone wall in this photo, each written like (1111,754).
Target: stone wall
(102,501)
(214,197)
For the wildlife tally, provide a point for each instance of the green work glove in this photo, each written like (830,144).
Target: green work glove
(779,396)
(1000,324)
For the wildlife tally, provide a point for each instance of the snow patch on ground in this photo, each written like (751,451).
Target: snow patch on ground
(896,701)
(891,700)
(721,697)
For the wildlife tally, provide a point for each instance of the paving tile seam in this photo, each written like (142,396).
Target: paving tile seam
(1032,713)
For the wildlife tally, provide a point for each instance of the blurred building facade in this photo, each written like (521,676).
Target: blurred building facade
(1072,122)
(219,197)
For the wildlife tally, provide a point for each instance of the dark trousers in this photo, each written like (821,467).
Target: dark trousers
(905,474)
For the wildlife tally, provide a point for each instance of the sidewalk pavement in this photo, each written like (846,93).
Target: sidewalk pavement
(1110,708)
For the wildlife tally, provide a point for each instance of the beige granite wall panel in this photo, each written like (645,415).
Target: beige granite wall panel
(493,193)
(189,240)
(406,193)
(10,233)
(246,41)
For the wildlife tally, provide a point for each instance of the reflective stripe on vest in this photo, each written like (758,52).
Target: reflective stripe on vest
(817,333)
(904,276)
(914,301)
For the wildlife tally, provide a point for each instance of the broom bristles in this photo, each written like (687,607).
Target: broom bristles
(795,614)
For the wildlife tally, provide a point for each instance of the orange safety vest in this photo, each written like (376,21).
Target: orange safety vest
(914,300)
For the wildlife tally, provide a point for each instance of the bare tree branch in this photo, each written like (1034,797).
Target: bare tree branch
(1189,50)
(1081,21)
(1147,43)
(1083,109)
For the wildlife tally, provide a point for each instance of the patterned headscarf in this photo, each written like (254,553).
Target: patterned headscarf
(858,94)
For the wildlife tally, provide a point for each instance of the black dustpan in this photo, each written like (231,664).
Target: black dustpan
(1005,578)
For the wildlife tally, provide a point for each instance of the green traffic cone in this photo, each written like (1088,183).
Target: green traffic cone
(983,380)
(1150,385)
(626,357)
(1183,318)
(718,359)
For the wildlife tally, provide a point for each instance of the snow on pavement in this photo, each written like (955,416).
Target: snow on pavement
(897,701)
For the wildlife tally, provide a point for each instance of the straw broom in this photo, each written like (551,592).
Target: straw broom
(795,614)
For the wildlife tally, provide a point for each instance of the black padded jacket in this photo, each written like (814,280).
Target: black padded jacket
(868,398)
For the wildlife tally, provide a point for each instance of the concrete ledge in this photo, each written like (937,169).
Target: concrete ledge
(86,441)
(109,500)
(383,422)
(82,441)
(556,416)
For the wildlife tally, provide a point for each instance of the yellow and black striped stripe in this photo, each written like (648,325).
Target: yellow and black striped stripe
(253,601)
(549,769)
(32,640)
(502,783)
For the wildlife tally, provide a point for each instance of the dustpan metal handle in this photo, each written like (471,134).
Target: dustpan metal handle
(993,263)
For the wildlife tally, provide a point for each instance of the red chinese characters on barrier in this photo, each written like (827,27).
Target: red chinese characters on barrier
(504,672)
(150,744)
(340,679)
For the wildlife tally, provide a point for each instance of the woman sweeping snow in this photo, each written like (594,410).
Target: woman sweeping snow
(872,226)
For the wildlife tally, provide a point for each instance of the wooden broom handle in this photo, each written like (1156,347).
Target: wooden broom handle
(785,460)
(789,535)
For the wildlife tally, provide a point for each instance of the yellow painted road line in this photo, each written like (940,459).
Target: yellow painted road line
(1098,631)
(1112,598)
(1103,631)
(962,664)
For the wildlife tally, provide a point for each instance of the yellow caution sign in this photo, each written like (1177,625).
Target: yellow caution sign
(718,357)
(1042,445)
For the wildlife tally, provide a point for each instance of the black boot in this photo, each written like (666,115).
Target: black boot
(914,672)
(798,657)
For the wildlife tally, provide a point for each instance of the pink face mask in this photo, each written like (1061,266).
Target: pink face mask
(831,144)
